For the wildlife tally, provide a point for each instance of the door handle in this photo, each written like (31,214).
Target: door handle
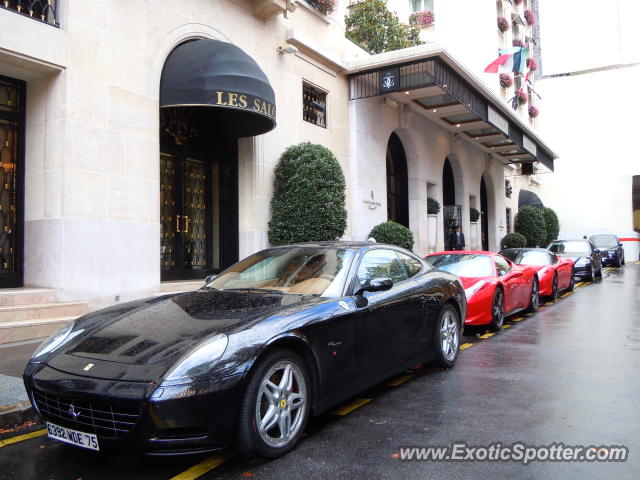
(177,223)
(186,224)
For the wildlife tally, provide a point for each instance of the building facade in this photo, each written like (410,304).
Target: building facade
(592,188)
(130,158)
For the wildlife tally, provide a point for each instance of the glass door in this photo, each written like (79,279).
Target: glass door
(12,101)
(186,222)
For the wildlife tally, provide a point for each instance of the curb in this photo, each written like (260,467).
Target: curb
(16,414)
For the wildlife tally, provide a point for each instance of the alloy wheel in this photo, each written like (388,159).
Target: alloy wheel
(280,404)
(554,288)
(449,336)
(497,310)
(535,294)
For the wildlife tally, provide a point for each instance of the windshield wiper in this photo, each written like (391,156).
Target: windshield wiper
(268,290)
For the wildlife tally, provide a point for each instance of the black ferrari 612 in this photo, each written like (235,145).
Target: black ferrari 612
(284,334)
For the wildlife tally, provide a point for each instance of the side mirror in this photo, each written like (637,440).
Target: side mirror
(209,278)
(619,244)
(376,285)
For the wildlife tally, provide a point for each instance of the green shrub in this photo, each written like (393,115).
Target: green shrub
(433,206)
(513,240)
(552,224)
(308,203)
(530,223)
(474,214)
(393,233)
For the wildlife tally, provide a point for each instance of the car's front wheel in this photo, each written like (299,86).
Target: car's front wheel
(447,338)
(534,296)
(497,311)
(554,288)
(276,405)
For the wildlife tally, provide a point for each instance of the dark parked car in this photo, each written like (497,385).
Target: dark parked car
(286,333)
(610,248)
(586,258)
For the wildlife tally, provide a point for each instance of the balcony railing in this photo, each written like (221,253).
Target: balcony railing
(45,11)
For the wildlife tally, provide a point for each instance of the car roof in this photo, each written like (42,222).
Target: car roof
(526,249)
(604,235)
(351,245)
(463,252)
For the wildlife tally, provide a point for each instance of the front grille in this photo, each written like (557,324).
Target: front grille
(93,416)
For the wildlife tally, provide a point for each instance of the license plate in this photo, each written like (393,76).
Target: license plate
(74,437)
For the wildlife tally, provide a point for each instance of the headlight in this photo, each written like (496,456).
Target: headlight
(59,338)
(583,261)
(474,288)
(196,362)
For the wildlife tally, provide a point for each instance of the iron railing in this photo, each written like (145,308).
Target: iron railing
(45,11)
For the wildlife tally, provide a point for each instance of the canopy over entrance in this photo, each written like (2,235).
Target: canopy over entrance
(527,197)
(222,85)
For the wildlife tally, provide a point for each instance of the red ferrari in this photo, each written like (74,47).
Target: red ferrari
(554,273)
(494,285)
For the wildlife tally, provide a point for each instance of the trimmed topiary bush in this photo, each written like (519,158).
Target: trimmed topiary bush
(433,206)
(530,223)
(308,203)
(393,233)
(552,224)
(513,240)
(474,214)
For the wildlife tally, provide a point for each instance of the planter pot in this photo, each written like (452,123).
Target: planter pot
(432,232)
(473,236)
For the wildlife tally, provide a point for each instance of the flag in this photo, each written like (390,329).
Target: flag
(520,60)
(504,62)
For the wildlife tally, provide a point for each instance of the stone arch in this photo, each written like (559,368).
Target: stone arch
(492,210)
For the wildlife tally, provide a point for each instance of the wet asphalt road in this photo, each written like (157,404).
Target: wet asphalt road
(570,374)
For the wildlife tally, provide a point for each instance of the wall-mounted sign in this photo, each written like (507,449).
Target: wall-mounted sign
(243,101)
(529,146)
(389,79)
(498,121)
(372,203)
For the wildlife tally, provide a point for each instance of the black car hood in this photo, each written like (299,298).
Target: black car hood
(159,329)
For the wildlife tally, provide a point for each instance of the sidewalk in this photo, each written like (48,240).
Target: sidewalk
(15,407)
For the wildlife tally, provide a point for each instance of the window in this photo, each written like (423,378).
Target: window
(314,105)
(420,5)
(508,189)
(502,265)
(380,264)
(508,220)
(411,265)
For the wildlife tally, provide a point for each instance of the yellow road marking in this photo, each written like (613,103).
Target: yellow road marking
(347,409)
(204,466)
(20,438)
(579,284)
(519,319)
(400,380)
(637,263)
(487,335)
(464,346)
(506,326)
(566,294)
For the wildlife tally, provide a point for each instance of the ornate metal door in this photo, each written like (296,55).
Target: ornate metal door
(12,103)
(185,237)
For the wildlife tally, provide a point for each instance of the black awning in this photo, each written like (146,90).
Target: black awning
(527,197)
(221,81)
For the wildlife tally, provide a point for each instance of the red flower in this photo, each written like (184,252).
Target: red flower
(523,98)
(530,17)
(533,111)
(503,25)
(531,63)
(505,80)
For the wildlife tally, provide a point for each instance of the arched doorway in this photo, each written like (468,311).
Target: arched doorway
(484,215)
(397,182)
(211,94)
(452,213)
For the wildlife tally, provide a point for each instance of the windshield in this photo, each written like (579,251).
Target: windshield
(296,270)
(463,265)
(528,257)
(576,246)
(604,241)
